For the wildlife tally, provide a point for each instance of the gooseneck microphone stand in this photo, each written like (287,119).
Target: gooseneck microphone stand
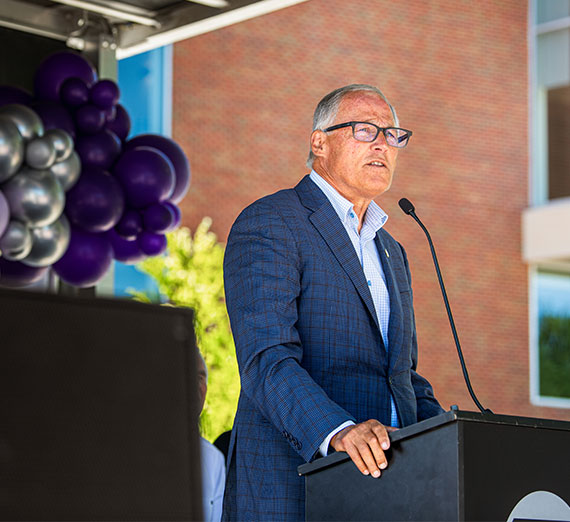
(408,208)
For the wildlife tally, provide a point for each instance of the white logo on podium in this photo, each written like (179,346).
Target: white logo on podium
(541,505)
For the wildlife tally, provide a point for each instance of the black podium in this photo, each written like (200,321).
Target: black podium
(98,410)
(456,466)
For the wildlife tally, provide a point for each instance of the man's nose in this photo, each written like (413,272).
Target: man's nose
(380,142)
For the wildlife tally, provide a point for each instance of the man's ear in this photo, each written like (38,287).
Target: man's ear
(318,143)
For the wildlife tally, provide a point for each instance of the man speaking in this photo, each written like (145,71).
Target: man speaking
(320,302)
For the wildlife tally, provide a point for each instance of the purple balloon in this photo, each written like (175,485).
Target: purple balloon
(175,212)
(96,202)
(174,153)
(89,118)
(125,250)
(105,94)
(130,224)
(87,259)
(158,218)
(16,274)
(74,92)
(152,244)
(4,213)
(110,114)
(58,67)
(147,176)
(54,116)
(98,150)
(9,95)
(121,124)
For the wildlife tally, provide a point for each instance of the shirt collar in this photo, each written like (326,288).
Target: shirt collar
(375,217)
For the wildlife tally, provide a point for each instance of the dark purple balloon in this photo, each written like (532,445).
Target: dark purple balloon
(158,218)
(16,274)
(89,119)
(174,153)
(147,176)
(125,250)
(105,94)
(96,202)
(98,150)
(87,259)
(54,116)
(121,124)
(57,68)
(130,224)
(74,92)
(152,244)
(175,212)
(9,95)
(110,114)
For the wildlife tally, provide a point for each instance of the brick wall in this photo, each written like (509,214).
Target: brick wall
(457,74)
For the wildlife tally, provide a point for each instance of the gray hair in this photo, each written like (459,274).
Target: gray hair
(327,109)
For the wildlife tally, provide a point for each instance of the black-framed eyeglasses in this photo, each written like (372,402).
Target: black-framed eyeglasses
(365,131)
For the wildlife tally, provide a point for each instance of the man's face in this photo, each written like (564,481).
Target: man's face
(358,170)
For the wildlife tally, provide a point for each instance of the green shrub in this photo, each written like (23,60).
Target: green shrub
(191,274)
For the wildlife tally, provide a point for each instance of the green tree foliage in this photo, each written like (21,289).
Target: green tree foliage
(191,274)
(555,356)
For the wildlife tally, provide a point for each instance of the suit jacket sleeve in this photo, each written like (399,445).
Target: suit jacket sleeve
(263,282)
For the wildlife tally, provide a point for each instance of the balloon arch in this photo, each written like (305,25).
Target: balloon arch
(75,193)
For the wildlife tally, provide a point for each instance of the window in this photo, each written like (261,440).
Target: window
(551,100)
(550,364)
(558,142)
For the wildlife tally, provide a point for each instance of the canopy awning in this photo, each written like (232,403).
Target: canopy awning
(129,26)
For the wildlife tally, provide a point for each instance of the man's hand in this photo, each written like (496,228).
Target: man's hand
(365,443)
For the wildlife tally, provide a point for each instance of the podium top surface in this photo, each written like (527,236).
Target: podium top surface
(436,422)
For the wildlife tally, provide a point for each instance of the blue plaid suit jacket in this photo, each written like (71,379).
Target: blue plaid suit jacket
(308,345)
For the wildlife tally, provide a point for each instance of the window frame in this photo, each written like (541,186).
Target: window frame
(534,366)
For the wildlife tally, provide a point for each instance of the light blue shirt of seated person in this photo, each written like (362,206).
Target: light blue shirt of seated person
(213,480)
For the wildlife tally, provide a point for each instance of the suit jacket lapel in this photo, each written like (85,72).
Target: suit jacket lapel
(326,221)
(395,324)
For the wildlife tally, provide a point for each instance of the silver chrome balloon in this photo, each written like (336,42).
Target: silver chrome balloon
(11,149)
(40,153)
(29,124)
(35,197)
(67,171)
(49,243)
(16,242)
(62,142)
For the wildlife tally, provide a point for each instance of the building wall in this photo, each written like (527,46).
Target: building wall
(457,73)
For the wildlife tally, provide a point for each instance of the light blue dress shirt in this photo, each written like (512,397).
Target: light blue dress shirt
(365,248)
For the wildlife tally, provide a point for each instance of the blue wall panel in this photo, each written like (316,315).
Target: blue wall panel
(145,81)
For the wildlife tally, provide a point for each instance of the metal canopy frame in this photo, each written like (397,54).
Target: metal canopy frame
(128,27)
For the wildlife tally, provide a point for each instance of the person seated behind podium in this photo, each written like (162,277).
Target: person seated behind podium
(213,462)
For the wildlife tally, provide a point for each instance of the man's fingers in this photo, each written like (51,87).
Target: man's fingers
(354,454)
(381,433)
(365,450)
(365,443)
(378,453)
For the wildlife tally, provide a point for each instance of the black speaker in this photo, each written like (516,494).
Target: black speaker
(98,410)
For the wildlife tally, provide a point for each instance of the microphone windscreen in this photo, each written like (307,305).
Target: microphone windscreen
(406,205)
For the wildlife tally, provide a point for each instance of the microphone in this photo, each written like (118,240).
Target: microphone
(408,208)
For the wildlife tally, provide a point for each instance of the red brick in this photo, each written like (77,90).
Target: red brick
(457,74)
